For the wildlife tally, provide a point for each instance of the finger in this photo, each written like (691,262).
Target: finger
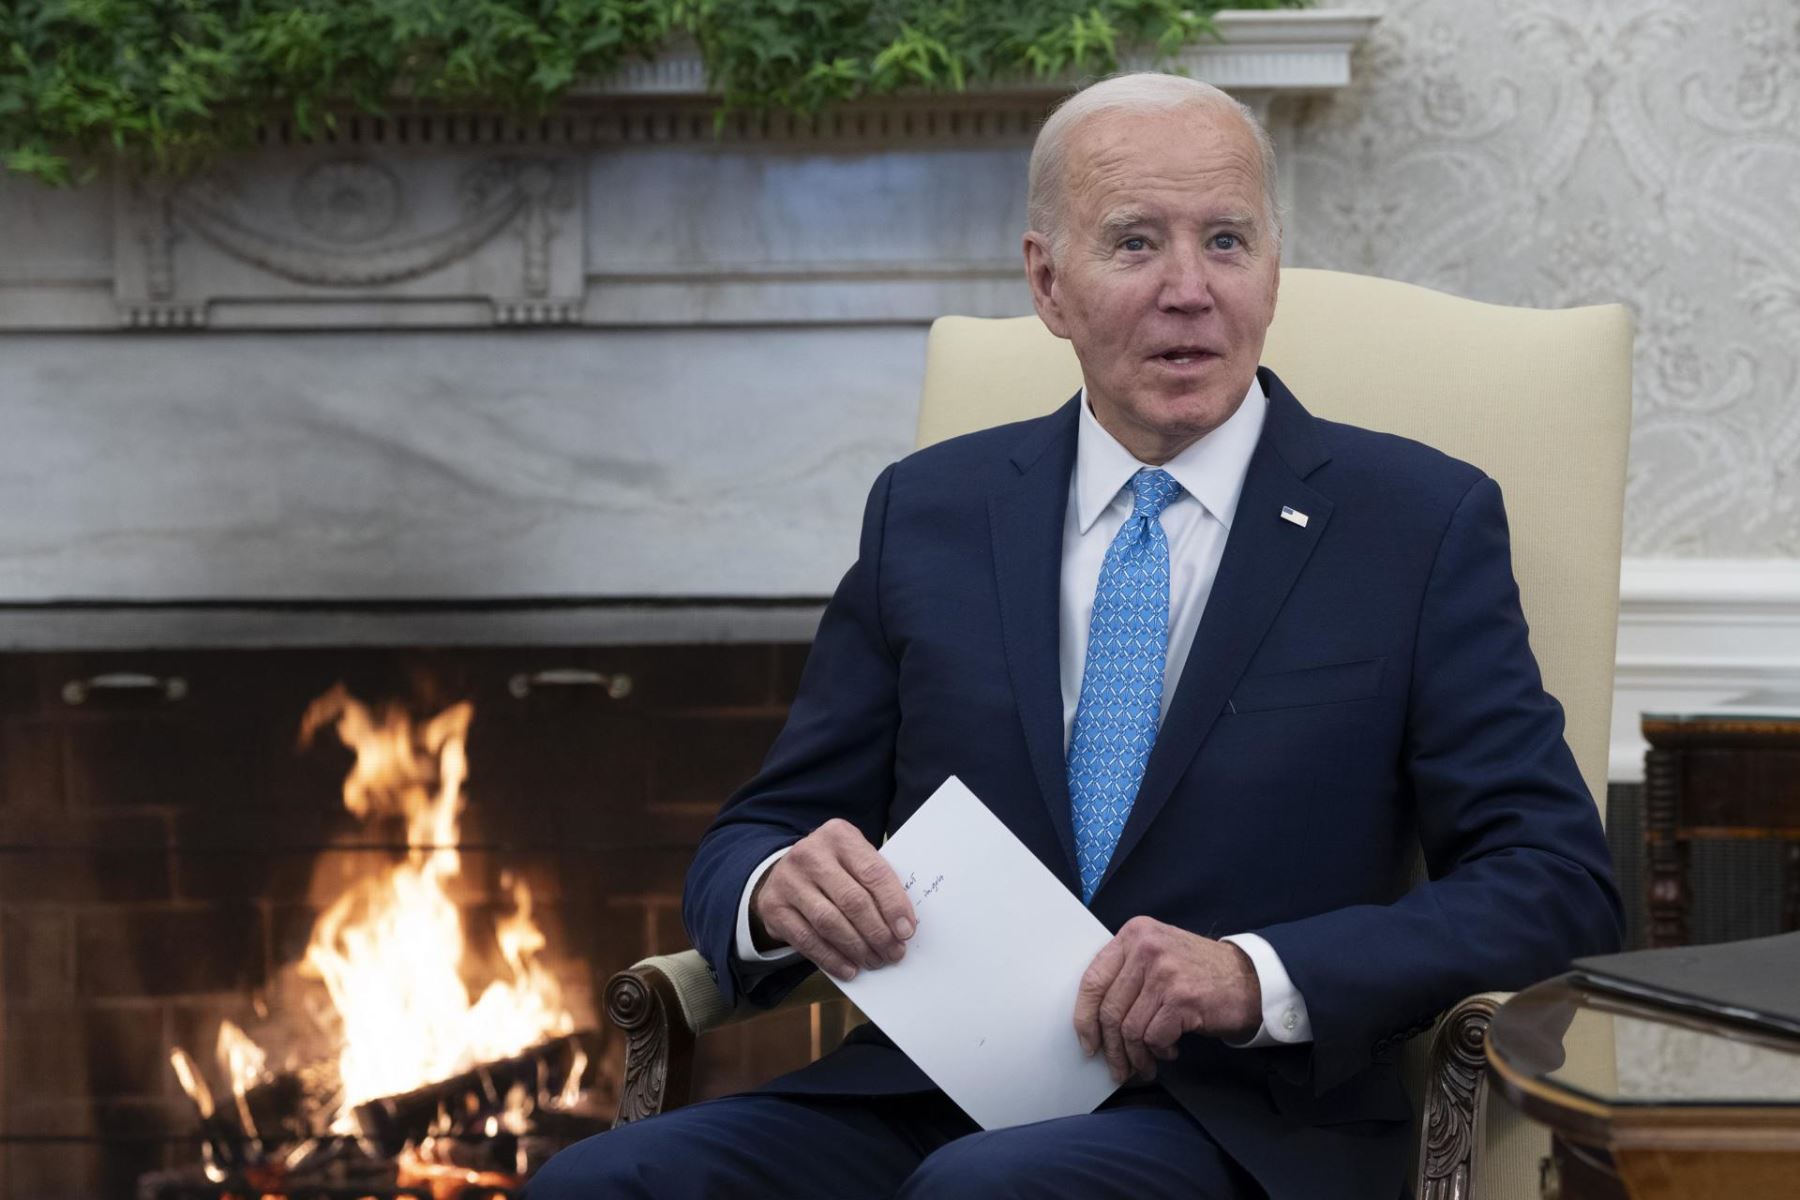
(791,926)
(877,877)
(1094,982)
(1164,1032)
(821,910)
(793,884)
(1113,1047)
(1132,1029)
(1113,1006)
(858,907)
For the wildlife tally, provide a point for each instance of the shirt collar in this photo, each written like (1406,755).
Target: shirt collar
(1211,470)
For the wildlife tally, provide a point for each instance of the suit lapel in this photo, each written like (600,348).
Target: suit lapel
(1026,520)
(1263,557)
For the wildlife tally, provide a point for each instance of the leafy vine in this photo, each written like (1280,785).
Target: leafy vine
(170,83)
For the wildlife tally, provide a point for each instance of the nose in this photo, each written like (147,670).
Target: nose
(1186,285)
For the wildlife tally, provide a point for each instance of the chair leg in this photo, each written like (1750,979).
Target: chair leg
(1455,1102)
(659,1046)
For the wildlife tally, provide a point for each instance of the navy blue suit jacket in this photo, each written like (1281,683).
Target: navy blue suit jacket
(1359,688)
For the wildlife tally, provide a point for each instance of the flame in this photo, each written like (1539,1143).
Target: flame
(245,1066)
(192,1082)
(187,1072)
(446,1182)
(571,1089)
(390,949)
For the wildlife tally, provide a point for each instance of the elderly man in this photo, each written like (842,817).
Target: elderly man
(1223,667)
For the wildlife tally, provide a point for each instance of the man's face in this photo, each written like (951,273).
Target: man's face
(1167,274)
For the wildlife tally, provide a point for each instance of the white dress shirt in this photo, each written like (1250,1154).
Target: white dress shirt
(1211,474)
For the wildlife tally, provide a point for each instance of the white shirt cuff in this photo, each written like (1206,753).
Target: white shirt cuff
(1284,1022)
(746,945)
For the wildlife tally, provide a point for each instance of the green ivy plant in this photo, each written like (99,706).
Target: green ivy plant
(168,83)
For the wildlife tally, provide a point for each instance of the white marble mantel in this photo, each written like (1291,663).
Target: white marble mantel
(629,207)
(1259,52)
(614,354)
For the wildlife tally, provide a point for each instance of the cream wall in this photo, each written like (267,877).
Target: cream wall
(1558,152)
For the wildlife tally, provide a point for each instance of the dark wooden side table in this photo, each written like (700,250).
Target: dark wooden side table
(1649,1104)
(1731,771)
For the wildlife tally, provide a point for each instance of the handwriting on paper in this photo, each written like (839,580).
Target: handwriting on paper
(912,879)
(981,1001)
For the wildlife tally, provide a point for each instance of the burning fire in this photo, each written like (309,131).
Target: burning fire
(391,950)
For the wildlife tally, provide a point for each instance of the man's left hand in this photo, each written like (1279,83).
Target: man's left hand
(1154,982)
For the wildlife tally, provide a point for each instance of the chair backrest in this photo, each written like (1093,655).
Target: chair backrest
(1539,399)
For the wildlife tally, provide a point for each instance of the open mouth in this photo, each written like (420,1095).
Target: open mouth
(1184,355)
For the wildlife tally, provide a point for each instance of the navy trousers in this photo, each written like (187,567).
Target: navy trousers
(1138,1146)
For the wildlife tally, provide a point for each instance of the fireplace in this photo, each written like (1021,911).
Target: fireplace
(170,843)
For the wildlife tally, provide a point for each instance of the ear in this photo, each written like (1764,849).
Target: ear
(1040,274)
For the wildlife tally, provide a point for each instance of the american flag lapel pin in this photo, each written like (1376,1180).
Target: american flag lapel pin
(1295,515)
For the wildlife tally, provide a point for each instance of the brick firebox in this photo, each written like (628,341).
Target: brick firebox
(162,859)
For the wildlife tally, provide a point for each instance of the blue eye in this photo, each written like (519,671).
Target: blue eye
(1134,244)
(1234,240)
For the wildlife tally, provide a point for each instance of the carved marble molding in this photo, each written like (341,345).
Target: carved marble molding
(322,236)
(1259,56)
(1287,50)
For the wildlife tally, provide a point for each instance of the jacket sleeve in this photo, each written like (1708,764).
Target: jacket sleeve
(833,758)
(1519,876)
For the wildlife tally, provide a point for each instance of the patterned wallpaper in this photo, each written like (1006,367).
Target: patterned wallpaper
(1561,152)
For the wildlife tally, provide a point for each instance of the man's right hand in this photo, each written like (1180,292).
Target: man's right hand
(836,901)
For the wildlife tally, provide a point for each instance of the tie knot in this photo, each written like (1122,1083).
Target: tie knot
(1155,489)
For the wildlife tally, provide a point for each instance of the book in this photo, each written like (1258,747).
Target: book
(1755,982)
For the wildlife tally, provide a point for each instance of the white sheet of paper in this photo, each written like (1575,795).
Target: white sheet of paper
(984,1001)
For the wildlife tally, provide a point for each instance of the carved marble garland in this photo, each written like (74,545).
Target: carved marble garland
(350,223)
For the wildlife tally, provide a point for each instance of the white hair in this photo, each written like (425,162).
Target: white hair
(1142,91)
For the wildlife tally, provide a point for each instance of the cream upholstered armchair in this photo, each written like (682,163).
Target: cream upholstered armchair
(1541,400)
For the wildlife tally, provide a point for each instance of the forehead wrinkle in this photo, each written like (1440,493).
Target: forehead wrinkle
(1103,165)
(1128,192)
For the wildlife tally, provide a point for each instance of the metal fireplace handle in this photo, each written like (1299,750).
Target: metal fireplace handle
(617,685)
(77,691)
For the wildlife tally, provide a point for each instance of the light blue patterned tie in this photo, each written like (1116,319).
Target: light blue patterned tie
(1122,680)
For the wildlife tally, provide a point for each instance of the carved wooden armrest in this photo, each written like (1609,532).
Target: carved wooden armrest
(662,1004)
(1455,1100)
